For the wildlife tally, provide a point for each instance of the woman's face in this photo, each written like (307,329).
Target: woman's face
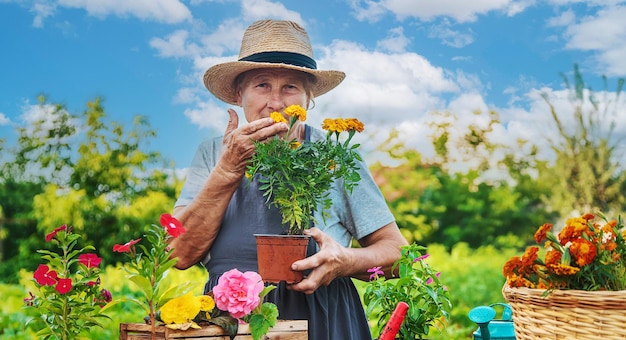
(263,91)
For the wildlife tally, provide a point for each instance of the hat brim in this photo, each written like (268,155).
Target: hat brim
(220,79)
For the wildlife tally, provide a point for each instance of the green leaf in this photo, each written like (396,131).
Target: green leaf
(143,283)
(228,323)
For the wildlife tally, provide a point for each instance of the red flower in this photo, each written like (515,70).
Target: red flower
(44,276)
(106,295)
(89,260)
(172,225)
(125,248)
(64,286)
(50,236)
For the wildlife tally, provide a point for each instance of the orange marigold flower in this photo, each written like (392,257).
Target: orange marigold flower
(355,124)
(529,257)
(542,232)
(588,216)
(568,234)
(563,269)
(296,111)
(511,266)
(278,117)
(552,257)
(583,251)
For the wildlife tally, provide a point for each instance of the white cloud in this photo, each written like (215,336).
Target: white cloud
(175,45)
(604,31)
(450,37)
(4,120)
(426,10)
(396,41)
(371,11)
(253,10)
(42,10)
(167,11)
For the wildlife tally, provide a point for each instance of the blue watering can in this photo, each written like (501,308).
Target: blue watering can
(490,329)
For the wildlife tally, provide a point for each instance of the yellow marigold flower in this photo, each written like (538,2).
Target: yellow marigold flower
(295,144)
(355,124)
(334,125)
(563,269)
(296,111)
(181,309)
(206,303)
(278,117)
(332,165)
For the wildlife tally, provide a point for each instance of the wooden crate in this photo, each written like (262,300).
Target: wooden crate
(283,330)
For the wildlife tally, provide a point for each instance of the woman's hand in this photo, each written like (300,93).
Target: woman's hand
(326,264)
(238,142)
(380,248)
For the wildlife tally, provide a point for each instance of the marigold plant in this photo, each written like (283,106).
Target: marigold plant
(297,177)
(70,299)
(588,253)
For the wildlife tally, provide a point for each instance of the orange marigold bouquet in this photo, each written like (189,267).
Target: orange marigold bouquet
(588,254)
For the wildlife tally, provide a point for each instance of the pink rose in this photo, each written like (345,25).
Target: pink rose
(238,293)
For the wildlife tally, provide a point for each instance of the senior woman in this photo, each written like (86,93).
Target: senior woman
(221,209)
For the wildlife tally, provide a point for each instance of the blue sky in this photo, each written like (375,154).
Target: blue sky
(404,59)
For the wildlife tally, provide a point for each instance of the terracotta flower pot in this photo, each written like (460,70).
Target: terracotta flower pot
(276,253)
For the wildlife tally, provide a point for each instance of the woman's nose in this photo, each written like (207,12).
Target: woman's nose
(275,101)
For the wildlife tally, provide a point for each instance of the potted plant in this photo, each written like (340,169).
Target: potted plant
(296,178)
(583,263)
(418,285)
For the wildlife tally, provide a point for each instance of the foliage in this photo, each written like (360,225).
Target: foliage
(588,254)
(93,167)
(176,306)
(418,285)
(435,205)
(68,302)
(587,175)
(296,177)
(149,268)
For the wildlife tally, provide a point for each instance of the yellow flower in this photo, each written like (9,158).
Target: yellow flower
(335,125)
(181,309)
(355,124)
(206,303)
(278,117)
(295,144)
(296,111)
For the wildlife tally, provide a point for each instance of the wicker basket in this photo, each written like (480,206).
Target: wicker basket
(567,314)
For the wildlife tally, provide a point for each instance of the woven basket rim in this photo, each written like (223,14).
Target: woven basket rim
(602,300)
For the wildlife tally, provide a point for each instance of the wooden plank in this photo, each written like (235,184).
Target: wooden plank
(283,330)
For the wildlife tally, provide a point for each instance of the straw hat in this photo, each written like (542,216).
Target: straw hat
(270,44)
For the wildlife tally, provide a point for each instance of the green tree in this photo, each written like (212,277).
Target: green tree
(587,175)
(439,201)
(85,171)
